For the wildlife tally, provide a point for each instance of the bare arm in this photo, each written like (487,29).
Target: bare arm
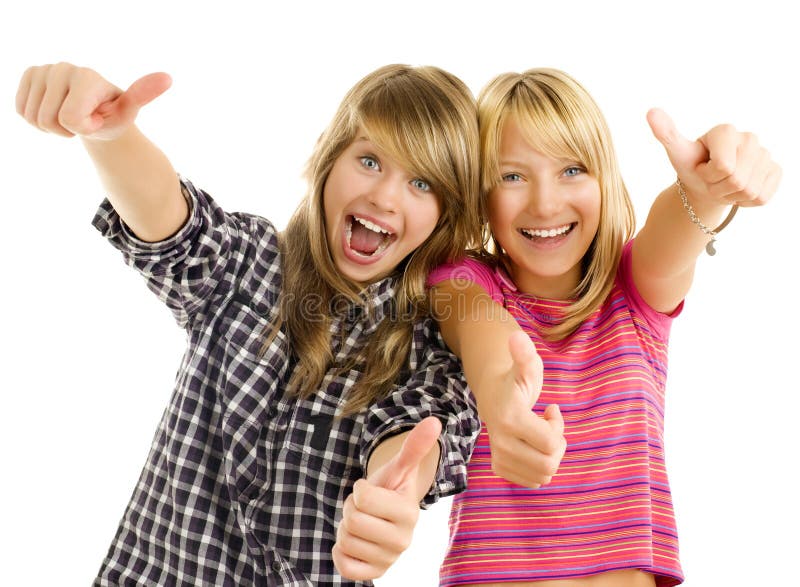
(141,184)
(504,373)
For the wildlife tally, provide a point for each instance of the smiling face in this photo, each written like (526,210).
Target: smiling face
(376,212)
(544,213)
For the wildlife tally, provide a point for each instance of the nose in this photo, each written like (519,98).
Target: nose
(544,199)
(386,194)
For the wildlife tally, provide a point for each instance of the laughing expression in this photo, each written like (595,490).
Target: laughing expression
(376,212)
(544,213)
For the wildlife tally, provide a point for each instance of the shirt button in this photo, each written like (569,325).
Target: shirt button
(276,566)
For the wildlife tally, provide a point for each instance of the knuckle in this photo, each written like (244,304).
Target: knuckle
(724,167)
(550,445)
(562,447)
(31,116)
(355,524)
(67,118)
(31,72)
(44,120)
(551,466)
(82,72)
(750,139)
(737,183)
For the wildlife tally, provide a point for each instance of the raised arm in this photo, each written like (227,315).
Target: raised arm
(721,168)
(504,373)
(140,182)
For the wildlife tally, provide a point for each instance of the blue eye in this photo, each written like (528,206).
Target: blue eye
(573,170)
(512,177)
(370,162)
(421,185)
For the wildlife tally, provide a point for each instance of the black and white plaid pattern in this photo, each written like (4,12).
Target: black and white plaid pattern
(244,483)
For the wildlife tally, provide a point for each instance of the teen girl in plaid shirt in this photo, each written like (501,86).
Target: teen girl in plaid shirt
(316,404)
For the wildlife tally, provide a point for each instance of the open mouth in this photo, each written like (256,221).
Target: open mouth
(365,238)
(544,235)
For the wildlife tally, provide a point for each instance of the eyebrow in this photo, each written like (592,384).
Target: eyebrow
(511,163)
(559,160)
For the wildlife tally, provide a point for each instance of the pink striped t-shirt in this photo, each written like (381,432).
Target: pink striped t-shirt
(609,505)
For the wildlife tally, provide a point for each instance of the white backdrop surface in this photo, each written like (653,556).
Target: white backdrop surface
(89,355)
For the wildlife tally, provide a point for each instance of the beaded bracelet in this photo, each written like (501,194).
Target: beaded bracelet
(693,217)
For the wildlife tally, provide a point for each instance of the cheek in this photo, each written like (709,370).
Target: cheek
(589,201)
(498,211)
(425,218)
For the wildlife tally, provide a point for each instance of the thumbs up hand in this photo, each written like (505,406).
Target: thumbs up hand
(67,100)
(379,517)
(724,166)
(526,448)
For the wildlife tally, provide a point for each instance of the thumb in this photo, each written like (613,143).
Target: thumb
(146,89)
(683,153)
(527,368)
(403,467)
(126,106)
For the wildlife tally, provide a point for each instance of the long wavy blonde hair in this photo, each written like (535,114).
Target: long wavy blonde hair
(425,119)
(559,118)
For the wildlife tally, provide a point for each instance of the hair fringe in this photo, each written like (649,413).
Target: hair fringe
(425,119)
(560,117)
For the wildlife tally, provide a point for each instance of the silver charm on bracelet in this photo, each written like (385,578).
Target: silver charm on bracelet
(693,217)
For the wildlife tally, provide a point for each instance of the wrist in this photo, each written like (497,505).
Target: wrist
(712,210)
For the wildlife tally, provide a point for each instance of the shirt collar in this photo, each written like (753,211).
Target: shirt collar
(375,303)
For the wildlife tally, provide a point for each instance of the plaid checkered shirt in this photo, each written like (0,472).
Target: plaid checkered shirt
(244,483)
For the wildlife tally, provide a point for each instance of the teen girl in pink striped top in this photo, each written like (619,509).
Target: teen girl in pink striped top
(597,305)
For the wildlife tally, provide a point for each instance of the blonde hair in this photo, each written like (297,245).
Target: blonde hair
(559,118)
(425,119)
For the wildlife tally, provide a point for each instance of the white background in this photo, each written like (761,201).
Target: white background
(88,354)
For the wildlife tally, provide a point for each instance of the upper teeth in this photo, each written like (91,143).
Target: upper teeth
(546,233)
(373,227)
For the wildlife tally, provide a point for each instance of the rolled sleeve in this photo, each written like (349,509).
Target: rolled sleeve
(208,254)
(435,387)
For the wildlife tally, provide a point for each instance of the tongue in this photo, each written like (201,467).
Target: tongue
(364,240)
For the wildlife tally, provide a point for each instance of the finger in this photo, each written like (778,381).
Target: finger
(352,568)
(364,550)
(141,92)
(538,433)
(768,189)
(38,85)
(405,464)
(773,180)
(722,143)
(683,153)
(745,186)
(384,504)
(52,101)
(519,463)
(527,368)
(376,513)
(88,93)
(147,88)
(23,90)
(552,414)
